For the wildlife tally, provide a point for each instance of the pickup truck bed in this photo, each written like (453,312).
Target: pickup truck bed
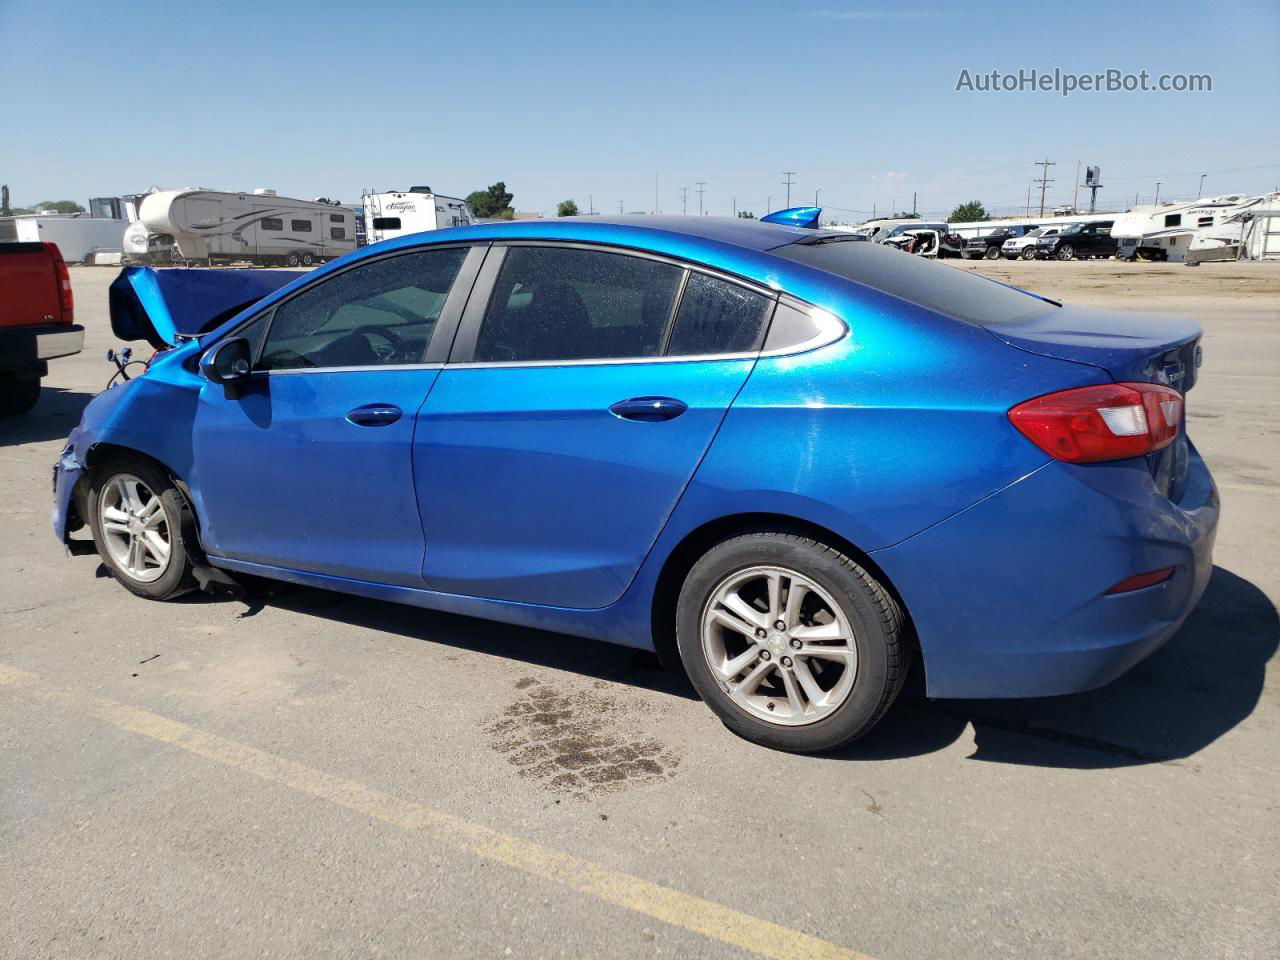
(36,320)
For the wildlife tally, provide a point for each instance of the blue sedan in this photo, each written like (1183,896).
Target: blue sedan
(790,460)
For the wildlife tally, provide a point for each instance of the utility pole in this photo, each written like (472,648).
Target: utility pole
(1075,197)
(1044,179)
(790,178)
(684,200)
(815,196)
(619,206)
(1200,189)
(591,206)
(1157,200)
(734,211)
(913,202)
(768,205)
(701,184)
(1029,199)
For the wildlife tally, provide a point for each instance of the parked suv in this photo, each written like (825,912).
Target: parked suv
(1025,248)
(989,246)
(1080,241)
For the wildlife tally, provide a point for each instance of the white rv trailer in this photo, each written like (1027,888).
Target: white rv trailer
(1253,233)
(395,214)
(1164,232)
(214,226)
(80,238)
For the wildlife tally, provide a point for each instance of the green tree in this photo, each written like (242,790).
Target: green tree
(494,201)
(970,212)
(746,215)
(60,206)
(567,208)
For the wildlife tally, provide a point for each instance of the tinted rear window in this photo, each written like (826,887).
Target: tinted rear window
(935,286)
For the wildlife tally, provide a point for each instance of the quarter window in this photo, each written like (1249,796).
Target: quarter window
(717,317)
(386,223)
(557,303)
(272,223)
(300,226)
(381,312)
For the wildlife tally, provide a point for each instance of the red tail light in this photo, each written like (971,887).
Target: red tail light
(1092,424)
(64,283)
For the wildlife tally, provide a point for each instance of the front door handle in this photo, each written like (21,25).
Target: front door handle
(374,415)
(649,409)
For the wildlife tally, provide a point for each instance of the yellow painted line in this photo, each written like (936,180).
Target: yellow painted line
(671,906)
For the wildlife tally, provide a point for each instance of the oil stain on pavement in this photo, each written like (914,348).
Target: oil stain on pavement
(577,742)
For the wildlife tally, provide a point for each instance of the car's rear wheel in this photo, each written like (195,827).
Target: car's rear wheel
(1066,252)
(790,642)
(993,253)
(136,516)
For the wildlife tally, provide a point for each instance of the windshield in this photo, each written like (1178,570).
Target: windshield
(1037,232)
(934,286)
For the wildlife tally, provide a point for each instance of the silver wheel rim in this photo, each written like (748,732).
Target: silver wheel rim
(134,527)
(779,646)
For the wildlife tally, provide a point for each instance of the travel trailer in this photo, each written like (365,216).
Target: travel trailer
(213,226)
(395,214)
(93,237)
(1251,234)
(1164,232)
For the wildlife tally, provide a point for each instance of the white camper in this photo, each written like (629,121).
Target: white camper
(81,238)
(212,226)
(1253,233)
(395,214)
(1164,232)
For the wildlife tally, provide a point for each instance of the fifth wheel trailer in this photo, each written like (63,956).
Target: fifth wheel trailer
(214,226)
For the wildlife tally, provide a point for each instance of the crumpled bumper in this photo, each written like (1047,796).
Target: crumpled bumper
(67,472)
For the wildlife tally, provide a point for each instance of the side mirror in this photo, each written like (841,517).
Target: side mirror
(228,363)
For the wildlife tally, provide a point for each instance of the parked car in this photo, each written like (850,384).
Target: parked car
(989,245)
(923,239)
(1080,241)
(1025,247)
(779,457)
(37,313)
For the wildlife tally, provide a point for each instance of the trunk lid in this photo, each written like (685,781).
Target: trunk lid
(163,307)
(1135,347)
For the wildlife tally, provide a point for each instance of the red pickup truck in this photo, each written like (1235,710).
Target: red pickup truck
(36,314)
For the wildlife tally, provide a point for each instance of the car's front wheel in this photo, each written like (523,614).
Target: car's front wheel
(1028,253)
(1066,252)
(136,516)
(790,642)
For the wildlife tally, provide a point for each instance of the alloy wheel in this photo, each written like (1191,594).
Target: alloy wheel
(779,645)
(135,528)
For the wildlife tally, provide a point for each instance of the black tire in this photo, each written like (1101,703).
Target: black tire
(993,253)
(1028,253)
(877,622)
(1066,252)
(292,260)
(177,577)
(307,259)
(18,394)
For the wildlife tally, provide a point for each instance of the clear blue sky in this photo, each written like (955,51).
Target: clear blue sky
(575,99)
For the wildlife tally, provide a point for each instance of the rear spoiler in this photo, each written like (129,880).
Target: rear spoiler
(164,307)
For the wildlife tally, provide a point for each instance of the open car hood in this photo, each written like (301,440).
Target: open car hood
(166,306)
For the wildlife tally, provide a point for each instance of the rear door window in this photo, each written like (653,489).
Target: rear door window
(716,316)
(561,303)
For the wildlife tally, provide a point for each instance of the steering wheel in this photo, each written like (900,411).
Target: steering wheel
(397,347)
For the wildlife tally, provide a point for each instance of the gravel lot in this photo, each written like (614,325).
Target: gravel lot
(311,775)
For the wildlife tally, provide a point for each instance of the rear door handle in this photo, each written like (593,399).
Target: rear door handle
(374,415)
(649,409)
